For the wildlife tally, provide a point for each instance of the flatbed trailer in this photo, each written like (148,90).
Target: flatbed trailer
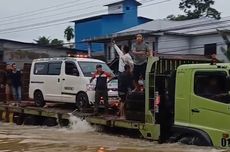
(31,110)
(50,115)
(59,113)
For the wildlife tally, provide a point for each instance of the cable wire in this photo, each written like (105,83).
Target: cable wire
(16,29)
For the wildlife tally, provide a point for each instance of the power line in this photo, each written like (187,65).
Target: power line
(170,40)
(38,12)
(36,18)
(64,23)
(164,1)
(41,25)
(41,11)
(35,11)
(142,6)
(16,29)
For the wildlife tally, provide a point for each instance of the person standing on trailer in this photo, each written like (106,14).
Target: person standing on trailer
(8,84)
(101,90)
(140,52)
(124,57)
(125,85)
(2,83)
(16,84)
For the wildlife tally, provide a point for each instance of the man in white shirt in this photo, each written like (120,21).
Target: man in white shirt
(124,57)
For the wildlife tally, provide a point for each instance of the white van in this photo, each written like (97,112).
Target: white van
(66,80)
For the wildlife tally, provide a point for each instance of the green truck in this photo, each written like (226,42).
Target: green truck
(184,101)
(194,102)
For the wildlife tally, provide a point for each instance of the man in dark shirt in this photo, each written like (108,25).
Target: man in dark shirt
(101,90)
(16,84)
(8,83)
(125,85)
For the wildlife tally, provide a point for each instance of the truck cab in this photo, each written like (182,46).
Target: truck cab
(202,100)
(194,105)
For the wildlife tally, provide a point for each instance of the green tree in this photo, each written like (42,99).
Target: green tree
(56,42)
(69,33)
(42,40)
(45,41)
(195,9)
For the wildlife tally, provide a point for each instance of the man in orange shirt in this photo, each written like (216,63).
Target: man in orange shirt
(101,90)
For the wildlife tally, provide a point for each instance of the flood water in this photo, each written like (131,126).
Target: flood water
(79,137)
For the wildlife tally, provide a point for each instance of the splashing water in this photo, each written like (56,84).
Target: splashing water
(78,125)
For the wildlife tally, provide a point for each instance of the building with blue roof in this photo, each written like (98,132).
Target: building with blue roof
(121,15)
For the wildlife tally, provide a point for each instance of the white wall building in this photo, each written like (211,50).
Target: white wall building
(198,36)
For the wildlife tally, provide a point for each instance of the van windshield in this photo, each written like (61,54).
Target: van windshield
(89,68)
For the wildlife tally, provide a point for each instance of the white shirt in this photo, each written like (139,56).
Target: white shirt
(123,59)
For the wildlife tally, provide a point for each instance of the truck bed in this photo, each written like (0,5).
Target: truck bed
(63,111)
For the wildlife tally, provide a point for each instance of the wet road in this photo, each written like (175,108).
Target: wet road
(80,137)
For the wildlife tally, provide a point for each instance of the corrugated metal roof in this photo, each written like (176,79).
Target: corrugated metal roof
(193,27)
(188,27)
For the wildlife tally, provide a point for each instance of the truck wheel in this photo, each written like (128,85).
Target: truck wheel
(30,121)
(198,141)
(82,102)
(38,99)
(186,140)
(194,140)
(50,122)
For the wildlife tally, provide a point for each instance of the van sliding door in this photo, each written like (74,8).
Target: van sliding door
(53,82)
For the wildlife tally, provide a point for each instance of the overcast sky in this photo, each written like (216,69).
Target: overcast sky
(19,19)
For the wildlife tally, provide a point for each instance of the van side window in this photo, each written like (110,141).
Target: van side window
(40,68)
(54,68)
(211,85)
(71,69)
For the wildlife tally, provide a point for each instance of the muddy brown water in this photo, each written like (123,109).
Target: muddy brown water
(79,137)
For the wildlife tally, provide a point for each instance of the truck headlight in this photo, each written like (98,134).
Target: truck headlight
(90,87)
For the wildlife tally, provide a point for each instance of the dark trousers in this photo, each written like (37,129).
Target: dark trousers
(139,70)
(98,95)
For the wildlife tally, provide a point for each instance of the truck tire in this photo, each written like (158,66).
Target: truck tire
(193,140)
(82,101)
(31,121)
(191,136)
(50,122)
(38,99)
(18,119)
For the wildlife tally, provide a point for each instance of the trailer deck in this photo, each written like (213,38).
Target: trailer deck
(62,111)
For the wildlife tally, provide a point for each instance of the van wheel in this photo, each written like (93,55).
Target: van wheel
(38,99)
(82,101)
